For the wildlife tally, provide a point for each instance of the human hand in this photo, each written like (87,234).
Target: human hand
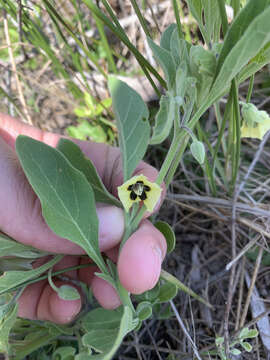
(139,262)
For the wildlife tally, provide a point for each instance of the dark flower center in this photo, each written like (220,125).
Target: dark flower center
(138,189)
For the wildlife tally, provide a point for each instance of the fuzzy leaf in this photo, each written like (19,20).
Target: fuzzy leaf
(77,158)
(64,353)
(67,199)
(198,151)
(163,120)
(167,292)
(100,318)
(144,310)
(67,292)
(168,233)
(246,346)
(9,247)
(239,26)
(255,38)
(165,41)
(112,339)
(6,324)
(132,122)
(165,59)
(12,279)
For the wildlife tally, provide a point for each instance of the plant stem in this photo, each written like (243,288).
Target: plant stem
(223,15)
(176,9)
(140,17)
(173,280)
(169,158)
(59,272)
(250,88)
(236,136)
(106,46)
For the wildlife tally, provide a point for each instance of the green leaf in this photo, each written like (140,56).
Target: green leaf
(168,233)
(198,151)
(67,199)
(196,8)
(132,122)
(248,334)
(166,61)
(12,279)
(179,49)
(112,339)
(174,281)
(167,292)
(212,19)
(256,36)
(235,352)
(86,130)
(202,66)
(150,295)
(106,277)
(100,319)
(9,247)
(181,80)
(67,292)
(163,120)
(77,158)
(64,353)
(100,340)
(144,310)
(6,325)
(163,312)
(219,341)
(247,346)
(10,263)
(255,64)
(165,41)
(239,26)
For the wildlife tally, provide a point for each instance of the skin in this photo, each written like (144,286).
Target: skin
(139,262)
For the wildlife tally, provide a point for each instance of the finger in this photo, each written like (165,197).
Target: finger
(104,293)
(140,259)
(106,159)
(40,301)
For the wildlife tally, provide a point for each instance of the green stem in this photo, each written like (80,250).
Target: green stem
(106,46)
(140,17)
(173,280)
(250,88)
(176,161)
(210,175)
(176,10)
(169,158)
(236,7)
(53,286)
(56,273)
(220,125)
(120,33)
(222,129)
(223,15)
(236,136)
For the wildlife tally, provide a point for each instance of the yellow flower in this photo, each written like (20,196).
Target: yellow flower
(255,122)
(137,189)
